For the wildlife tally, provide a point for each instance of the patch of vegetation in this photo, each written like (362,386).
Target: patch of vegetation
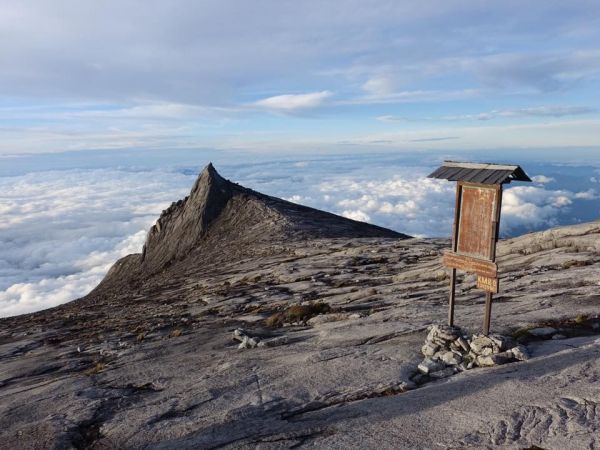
(297,313)
(581,319)
(581,325)
(95,370)
(176,333)
(522,333)
(575,263)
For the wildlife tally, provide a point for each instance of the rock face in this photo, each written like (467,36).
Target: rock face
(152,357)
(180,228)
(219,210)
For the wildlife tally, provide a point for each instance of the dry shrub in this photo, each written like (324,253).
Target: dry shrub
(575,263)
(297,313)
(96,369)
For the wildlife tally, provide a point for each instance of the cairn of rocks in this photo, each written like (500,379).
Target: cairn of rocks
(449,350)
(247,341)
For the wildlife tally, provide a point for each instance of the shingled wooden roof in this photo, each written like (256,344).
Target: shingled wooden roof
(479,172)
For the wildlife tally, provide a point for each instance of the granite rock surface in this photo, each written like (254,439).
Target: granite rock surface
(152,359)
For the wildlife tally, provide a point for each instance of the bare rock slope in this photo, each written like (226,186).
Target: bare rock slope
(149,359)
(221,220)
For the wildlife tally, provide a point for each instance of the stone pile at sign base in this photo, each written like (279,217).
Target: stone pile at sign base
(448,350)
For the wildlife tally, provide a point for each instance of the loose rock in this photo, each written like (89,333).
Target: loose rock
(452,359)
(520,353)
(444,373)
(543,332)
(429,365)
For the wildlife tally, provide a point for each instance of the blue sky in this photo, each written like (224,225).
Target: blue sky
(288,76)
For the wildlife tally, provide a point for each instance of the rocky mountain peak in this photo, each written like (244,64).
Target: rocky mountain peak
(182,224)
(219,214)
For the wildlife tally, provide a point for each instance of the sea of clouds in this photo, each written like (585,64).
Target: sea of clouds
(61,230)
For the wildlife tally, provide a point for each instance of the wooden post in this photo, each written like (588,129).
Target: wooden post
(452,296)
(495,233)
(454,245)
(488,313)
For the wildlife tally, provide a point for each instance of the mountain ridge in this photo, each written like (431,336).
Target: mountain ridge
(218,210)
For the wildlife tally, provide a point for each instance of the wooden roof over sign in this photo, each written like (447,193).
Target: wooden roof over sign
(483,173)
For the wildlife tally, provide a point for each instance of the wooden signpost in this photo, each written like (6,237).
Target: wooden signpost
(476,224)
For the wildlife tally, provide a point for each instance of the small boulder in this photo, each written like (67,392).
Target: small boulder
(502,342)
(429,349)
(487,351)
(248,342)
(495,359)
(280,340)
(444,373)
(479,342)
(239,334)
(463,344)
(520,352)
(428,366)
(543,332)
(451,358)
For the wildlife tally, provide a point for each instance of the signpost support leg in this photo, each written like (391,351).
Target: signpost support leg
(488,313)
(452,295)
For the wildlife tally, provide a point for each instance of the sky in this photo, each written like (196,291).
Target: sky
(108,111)
(290,76)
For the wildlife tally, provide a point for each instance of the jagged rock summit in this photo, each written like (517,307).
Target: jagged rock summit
(219,214)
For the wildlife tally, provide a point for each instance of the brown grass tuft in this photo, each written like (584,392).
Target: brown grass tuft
(99,367)
(297,313)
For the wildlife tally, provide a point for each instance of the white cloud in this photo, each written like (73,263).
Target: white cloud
(294,102)
(590,194)
(542,179)
(531,206)
(390,118)
(536,111)
(379,86)
(61,231)
(356,215)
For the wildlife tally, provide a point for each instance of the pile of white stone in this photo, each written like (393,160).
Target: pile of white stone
(448,350)
(247,341)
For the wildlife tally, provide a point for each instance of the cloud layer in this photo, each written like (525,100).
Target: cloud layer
(61,231)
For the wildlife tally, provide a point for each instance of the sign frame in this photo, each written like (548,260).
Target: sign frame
(482,239)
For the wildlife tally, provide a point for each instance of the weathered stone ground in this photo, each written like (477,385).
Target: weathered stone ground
(149,359)
(154,365)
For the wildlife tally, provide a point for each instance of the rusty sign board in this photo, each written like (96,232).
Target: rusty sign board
(476,224)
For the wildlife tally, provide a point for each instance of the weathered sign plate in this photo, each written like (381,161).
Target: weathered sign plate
(469,264)
(476,228)
(488,284)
